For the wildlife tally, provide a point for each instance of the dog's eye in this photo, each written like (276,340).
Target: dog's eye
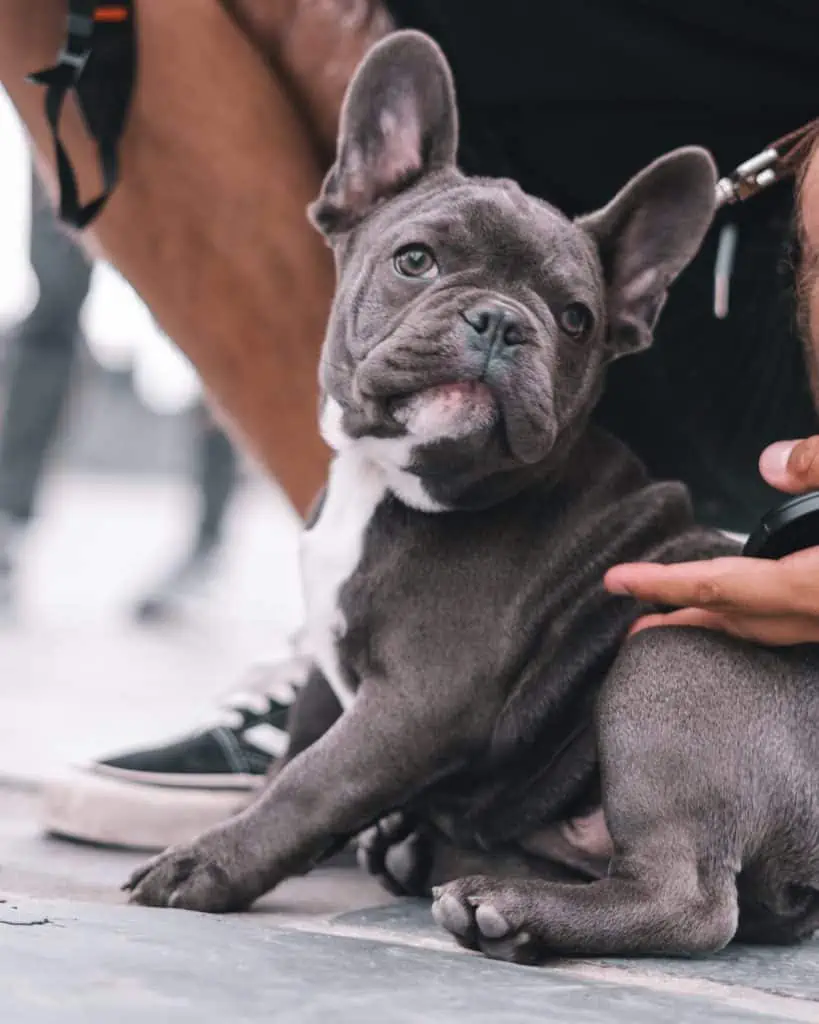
(576,320)
(415,261)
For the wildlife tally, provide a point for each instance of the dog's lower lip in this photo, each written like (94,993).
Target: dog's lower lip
(450,409)
(465,388)
(458,388)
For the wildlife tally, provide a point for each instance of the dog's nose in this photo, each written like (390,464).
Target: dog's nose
(494,324)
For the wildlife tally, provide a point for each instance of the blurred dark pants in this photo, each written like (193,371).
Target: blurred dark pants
(44,353)
(217,470)
(42,360)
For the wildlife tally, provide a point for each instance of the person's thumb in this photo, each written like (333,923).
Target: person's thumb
(792,466)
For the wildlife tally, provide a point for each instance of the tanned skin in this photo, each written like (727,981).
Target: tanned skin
(228,139)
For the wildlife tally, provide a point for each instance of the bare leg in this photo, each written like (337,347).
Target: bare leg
(315,45)
(208,222)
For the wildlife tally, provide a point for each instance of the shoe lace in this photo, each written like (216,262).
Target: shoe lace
(265,688)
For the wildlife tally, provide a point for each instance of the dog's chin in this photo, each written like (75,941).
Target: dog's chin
(447,412)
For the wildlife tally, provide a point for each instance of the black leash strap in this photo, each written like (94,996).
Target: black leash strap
(98,62)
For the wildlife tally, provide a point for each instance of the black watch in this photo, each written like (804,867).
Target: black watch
(791,526)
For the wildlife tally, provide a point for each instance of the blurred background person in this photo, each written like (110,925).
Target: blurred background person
(44,350)
(216,468)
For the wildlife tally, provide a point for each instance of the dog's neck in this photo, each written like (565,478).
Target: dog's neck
(474,490)
(436,491)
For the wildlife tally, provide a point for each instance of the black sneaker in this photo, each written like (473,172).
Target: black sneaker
(153,798)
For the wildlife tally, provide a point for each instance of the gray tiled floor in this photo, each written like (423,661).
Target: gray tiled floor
(332,944)
(76,679)
(90,964)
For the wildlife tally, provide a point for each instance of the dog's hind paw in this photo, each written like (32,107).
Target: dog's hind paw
(399,853)
(486,915)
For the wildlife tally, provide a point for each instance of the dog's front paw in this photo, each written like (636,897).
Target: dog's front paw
(201,876)
(399,853)
(492,916)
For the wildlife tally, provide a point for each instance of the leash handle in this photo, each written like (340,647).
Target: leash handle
(90,23)
(778,161)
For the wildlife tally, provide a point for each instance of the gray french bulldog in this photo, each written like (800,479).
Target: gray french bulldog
(476,708)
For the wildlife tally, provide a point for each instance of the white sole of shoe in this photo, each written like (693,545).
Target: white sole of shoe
(115,809)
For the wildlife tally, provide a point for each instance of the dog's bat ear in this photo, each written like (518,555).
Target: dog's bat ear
(646,236)
(399,122)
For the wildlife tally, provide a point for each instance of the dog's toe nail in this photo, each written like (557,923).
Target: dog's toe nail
(136,898)
(452,915)
(134,879)
(368,837)
(491,922)
(392,822)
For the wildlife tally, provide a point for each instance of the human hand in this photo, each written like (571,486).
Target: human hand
(771,602)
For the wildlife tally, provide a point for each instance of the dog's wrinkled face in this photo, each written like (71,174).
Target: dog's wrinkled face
(472,323)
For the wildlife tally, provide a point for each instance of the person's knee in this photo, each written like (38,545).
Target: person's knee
(316,46)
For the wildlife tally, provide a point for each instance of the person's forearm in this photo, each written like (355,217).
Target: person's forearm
(208,222)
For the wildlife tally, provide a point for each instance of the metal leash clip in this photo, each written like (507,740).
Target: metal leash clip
(750,177)
(773,164)
(780,160)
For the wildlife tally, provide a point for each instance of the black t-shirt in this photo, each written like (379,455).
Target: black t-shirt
(617,81)
(571,98)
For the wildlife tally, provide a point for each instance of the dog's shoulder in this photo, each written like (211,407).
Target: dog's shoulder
(628,515)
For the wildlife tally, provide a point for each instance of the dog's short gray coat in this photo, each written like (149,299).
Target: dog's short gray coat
(577,792)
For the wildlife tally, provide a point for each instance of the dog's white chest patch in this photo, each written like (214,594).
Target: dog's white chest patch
(330,552)
(391,454)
